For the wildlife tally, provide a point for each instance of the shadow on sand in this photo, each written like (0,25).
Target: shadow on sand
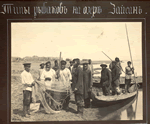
(18,112)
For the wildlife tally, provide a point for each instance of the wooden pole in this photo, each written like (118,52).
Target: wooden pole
(133,67)
(59,65)
(107,56)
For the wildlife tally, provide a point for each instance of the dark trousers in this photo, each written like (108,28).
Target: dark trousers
(106,88)
(79,102)
(127,84)
(87,102)
(27,99)
(66,103)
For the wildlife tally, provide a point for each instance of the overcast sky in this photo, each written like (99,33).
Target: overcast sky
(77,39)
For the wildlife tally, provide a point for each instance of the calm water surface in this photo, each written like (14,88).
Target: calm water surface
(129,112)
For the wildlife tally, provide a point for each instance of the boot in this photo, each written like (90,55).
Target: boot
(28,110)
(24,110)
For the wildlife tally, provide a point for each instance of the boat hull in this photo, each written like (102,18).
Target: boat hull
(103,103)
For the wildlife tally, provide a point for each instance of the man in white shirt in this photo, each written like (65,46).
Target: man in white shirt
(129,71)
(65,78)
(28,82)
(41,70)
(48,76)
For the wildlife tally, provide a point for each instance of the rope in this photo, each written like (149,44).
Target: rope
(59,105)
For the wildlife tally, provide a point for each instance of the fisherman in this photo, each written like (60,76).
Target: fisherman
(90,66)
(77,86)
(41,70)
(115,79)
(106,79)
(28,82)
(118,63)
(56,67)
(71,66)
(129,71)
(87,85)
(65,77)
(40,73)
(48,76)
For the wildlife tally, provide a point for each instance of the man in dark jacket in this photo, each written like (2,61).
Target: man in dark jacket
(77,85)
(105,80)
(87,84)
(115,79)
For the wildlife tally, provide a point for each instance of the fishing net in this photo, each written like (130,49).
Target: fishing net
(56,93)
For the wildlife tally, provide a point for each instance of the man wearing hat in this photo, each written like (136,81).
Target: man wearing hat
(129,71)
(41,70)
(87,84)
(48,76)
(71,66)
(115,71)
(65,77)
(28,82)
(56,67)
(77,86)
(106,79)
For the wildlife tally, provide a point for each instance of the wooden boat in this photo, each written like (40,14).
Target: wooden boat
(111,100)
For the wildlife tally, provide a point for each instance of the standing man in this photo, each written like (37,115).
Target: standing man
(90,66)
(106,79)
(87,84)
(118,63)
(65,77)
(77,86)
(41,70)
(28,82)
(71,66)
(129,71)
(115,79)
(56,67)
(48,76)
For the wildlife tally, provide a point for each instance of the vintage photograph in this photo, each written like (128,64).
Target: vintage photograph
(76,71)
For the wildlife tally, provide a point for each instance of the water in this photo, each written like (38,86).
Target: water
(131,110)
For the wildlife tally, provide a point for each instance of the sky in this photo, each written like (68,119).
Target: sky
(85,40)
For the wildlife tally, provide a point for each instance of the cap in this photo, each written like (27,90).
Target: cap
(76,59)
(42,63)
(25,64)
(63,62)
(129,62)
(48,62)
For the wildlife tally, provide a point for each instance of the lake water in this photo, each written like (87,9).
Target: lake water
(128,113)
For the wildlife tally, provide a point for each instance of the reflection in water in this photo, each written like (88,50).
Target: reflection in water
(130,113)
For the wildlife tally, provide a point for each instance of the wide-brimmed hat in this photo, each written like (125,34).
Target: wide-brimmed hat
(103,64)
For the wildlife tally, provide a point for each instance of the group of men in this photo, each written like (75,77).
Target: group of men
(80,81)
(110,78)
(78,78)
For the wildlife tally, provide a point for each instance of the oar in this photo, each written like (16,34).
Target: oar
(133,67)
(111,60)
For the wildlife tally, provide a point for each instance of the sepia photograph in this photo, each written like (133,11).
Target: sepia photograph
(76,71)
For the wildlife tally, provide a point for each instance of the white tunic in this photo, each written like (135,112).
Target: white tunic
(48,74)
(26,79)
(65,76)
(128,72)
